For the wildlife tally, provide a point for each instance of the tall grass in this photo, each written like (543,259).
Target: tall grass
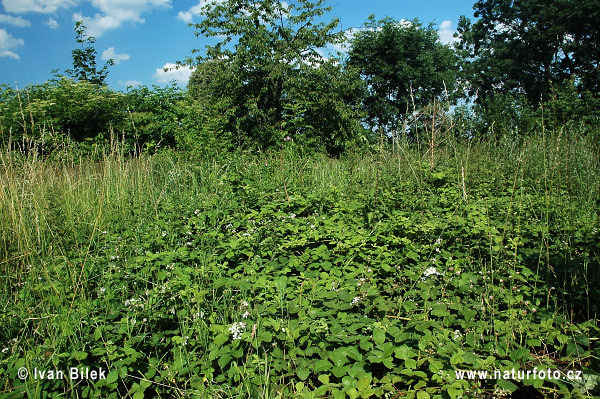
(50,208)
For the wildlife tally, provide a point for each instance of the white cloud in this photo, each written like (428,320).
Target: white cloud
(42,6)
(15,21)
(130,83)
(180,74)
(109,54)
(115,13)
(187,16)
(52,23)
(446,32)
(8,42)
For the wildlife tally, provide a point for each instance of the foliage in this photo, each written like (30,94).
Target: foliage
(81,110)
(524,47)
(323,110)
(155,115)
(265,65)
(405,67)
(504,115)
(573,109)
(281,276)
(84,59)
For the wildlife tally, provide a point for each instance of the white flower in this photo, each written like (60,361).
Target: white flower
(355,301)
(102,290)
(245,315)
(236,329)
(431,271)
(457,334)
(197,212)
(244,304)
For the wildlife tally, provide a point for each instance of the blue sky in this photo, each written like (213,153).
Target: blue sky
(144,36)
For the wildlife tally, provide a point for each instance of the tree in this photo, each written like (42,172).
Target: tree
(405,67)
(84,59)
(269,51)
(528,46)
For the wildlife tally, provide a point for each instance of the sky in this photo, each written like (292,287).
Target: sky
(145,36)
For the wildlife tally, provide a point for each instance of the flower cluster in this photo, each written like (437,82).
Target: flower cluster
(430,271)
(236,329)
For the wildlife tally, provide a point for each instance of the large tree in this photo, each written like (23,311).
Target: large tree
(257,73)
(405,67)
(528,46)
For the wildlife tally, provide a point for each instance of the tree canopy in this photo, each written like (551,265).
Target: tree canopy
(270,52)
(404,65)
(527,46)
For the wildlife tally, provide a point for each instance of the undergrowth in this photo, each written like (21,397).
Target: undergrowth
(276,275)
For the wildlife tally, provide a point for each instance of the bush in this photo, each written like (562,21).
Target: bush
(80,110)
(154,116)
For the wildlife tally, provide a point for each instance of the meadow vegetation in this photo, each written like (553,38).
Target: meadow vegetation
(294,227)
(285,274)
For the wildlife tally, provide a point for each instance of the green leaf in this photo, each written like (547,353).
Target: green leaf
(507,385)
(220,340)
(324,378)
(339,371)
(388,362)
(302,373)
(322,365)
(403,352)
(265,336)
(519,354)
(470,358)
(422,395)
(224,360)
(364,382)
(338,357)
(378,336)
(112,377)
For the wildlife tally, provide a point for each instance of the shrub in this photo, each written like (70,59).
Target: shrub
(80,110)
